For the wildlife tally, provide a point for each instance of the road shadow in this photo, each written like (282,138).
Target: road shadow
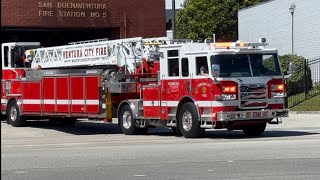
(95,128)
(225,134)
(79,128)
(3,118)
(220,134)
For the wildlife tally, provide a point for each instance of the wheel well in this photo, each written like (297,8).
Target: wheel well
(11,100)
(181,103)
(121,106)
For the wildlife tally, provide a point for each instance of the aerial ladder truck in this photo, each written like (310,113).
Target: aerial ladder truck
(155,82)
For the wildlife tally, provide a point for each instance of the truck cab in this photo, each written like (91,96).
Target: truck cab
(237,86)
(14,60)
(13,63)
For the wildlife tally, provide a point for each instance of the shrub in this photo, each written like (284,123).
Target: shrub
(296,81)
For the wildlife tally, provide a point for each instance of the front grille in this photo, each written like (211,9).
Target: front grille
(253,95)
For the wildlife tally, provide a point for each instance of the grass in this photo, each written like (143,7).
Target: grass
(312,104)
(301,96)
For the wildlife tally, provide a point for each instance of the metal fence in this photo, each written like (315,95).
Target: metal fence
(305,83)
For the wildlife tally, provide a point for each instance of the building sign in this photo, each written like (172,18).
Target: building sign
(72,9)
(112,18)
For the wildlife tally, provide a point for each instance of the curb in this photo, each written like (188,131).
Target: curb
(304,112)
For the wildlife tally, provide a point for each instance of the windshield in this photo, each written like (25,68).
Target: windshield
(246,65)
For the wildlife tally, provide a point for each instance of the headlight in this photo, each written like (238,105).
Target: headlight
(277,87)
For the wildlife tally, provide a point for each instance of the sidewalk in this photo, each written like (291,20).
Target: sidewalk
(304,112)
(299,120)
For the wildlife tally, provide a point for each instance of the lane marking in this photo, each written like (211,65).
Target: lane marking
(20,172)
(139,175)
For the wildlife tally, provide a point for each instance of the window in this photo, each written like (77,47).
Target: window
(173,53)
(246,65)
(232,65)
(17,57)
(264,64)
(173,67)
(185,67)
(202,65)
(5,56)
(173,63)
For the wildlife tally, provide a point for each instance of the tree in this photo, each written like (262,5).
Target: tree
(199,19)
(297,81)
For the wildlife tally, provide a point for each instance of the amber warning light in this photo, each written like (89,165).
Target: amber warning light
(229,89)
(233,45)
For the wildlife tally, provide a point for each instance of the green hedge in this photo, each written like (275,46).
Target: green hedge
(296,81)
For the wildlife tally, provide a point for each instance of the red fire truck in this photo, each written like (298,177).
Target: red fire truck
(145,83)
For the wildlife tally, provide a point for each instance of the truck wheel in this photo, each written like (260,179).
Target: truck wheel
(256,130)
(13,115)
(127,122)
(189,121)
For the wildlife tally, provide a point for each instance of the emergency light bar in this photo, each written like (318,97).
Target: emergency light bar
(233,45)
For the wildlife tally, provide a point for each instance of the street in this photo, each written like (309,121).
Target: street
(92,150)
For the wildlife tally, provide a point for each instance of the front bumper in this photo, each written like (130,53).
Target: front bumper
(252,114)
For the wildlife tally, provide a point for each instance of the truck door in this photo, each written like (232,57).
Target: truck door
(170,80)
(185,77)
(201,81)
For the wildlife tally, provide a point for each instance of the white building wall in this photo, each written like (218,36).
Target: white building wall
(179,4)
(272,20)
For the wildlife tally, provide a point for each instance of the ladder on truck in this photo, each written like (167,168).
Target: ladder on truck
(103,52)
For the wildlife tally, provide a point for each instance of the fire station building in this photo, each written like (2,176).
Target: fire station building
(57,22)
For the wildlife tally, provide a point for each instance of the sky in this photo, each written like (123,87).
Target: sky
(178,4)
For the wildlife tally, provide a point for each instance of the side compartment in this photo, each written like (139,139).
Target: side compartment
(48,95)
(3,98)
(71,95)
(62,95)
(77,94)
(84,95)
(151,101)
(92,94)
(31,93)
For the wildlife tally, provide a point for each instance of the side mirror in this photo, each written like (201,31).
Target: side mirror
(292,68)
(215,70)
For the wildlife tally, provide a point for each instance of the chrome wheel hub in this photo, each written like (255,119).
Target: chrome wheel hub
(187,121)
(13,113)
(126,119)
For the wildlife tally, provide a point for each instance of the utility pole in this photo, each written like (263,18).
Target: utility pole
(173,19)
(291,9)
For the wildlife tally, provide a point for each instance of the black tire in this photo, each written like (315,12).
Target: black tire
(194,131)
(255,130)
(13,115)
(127,122)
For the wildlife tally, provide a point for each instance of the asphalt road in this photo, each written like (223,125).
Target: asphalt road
(99,151)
